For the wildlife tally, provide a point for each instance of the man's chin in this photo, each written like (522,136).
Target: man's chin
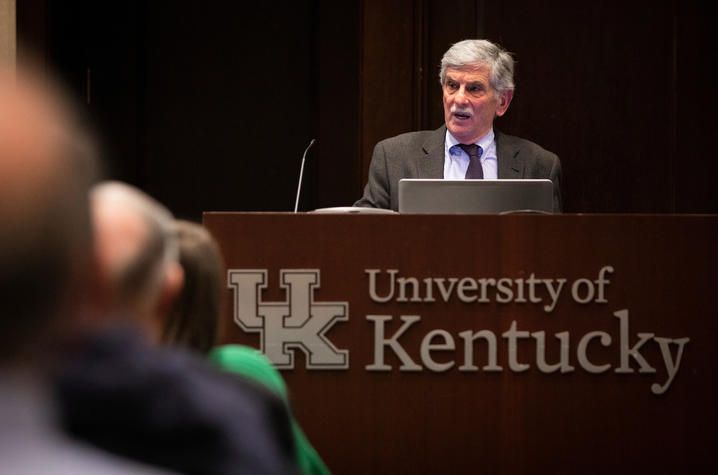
(462,133)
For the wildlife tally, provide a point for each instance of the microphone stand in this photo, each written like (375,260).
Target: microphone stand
(301,174)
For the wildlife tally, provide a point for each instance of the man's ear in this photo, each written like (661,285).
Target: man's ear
(504,101)
(91,290)
(174,281)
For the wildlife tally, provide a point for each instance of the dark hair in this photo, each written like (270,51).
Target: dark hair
(194,319)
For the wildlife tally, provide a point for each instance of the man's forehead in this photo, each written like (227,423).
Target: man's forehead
(471,74)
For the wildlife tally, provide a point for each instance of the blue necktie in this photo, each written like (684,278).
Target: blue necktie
(474,152)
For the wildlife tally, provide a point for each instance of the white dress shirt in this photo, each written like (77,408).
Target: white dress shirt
(456,161)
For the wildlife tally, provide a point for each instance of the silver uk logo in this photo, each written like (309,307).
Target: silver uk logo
(298,323)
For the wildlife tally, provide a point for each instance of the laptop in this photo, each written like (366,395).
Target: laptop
(418,195)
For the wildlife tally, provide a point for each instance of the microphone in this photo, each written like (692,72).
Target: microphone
(301,173)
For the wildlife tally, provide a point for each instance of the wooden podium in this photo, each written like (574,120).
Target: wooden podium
(485,344)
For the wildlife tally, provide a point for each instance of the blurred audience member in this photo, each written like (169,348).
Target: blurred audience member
(138,253)
(194,321)
(252,364)
(164,407)
(46,271)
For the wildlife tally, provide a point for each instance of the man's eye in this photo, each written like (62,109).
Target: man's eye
(452,86)
(474,89)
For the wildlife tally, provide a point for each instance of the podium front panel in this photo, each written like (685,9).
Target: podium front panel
(466,344)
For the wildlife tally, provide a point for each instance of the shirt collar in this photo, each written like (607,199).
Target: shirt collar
(483,142)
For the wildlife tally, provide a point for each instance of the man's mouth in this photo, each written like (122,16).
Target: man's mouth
(461,115)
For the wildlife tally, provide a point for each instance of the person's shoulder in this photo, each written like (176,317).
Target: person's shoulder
(251,363)
(411,140)
(513,142)
(106,388)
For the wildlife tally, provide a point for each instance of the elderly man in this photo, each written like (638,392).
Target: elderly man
(478,85)
(138,253)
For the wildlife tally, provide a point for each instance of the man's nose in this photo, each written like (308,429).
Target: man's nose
(460,97)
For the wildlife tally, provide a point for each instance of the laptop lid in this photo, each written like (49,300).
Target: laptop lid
(419,195)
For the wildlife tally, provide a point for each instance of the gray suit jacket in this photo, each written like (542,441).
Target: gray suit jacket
(421,155)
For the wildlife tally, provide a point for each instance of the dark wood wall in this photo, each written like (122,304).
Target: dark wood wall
(209,107)
(614,88)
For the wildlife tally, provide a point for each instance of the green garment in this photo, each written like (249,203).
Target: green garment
(252,364)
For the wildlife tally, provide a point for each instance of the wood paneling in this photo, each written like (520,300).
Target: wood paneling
(338,154)
(8,36)
(695,168)
(452,421)
(594,85)
(389,72)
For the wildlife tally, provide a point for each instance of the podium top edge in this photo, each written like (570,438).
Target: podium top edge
(395,214)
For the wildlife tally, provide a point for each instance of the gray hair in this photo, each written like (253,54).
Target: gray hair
(470,54)
(141,275)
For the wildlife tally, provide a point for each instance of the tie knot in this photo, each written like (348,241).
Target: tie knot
(471,150)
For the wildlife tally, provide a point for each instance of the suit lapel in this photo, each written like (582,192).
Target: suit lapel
(507,152)
(431,165)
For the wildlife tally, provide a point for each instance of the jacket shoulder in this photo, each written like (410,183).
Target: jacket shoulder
(512,142)
(411,139)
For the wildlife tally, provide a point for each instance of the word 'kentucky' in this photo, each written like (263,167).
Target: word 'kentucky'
(441,342)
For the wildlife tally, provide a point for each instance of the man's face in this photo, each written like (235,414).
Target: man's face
(470,103)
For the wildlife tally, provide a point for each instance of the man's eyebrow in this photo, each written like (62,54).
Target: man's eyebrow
(478,82)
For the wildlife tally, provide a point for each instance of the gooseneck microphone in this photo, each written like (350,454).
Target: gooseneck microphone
(301,173)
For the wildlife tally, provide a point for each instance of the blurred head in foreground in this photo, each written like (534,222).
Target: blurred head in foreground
(47,166)
(138,256)
(194,319)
